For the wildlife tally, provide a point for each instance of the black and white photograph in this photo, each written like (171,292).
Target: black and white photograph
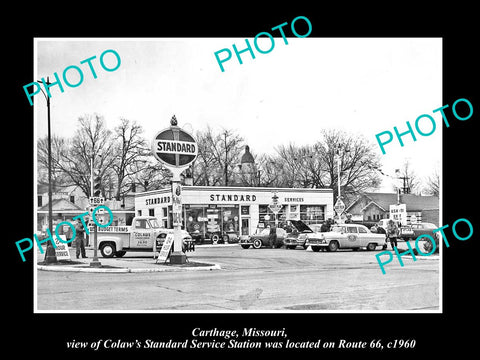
(246,184)
(286,200)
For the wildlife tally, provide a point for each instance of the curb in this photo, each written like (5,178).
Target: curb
(126,270)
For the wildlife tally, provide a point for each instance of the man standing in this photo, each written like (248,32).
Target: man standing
(392,233)
(79,235)
(273,237)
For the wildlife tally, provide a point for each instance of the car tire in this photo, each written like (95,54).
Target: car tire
(215,239)
(332,246)
(291,247)
(245,246)
(371,246)
(316,248)
(107,249)
(257,243)
(120,253)
(226,239)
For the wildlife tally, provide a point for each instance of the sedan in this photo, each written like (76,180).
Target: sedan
(424,228)
(298,235)
(406,232)
(346,236)
(262,238)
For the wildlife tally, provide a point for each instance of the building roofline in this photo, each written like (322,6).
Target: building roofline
(235,188)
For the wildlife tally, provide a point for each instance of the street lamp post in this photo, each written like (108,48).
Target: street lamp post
(50,256)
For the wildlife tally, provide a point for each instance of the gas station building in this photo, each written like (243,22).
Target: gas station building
(238,210)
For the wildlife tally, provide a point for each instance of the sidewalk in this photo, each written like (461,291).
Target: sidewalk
(138,264)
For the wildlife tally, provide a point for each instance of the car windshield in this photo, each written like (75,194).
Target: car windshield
(338,228)
(154,223)
(259,230)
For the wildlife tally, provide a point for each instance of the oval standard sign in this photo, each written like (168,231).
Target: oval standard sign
(174,147)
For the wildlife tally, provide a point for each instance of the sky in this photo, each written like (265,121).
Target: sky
(361,85)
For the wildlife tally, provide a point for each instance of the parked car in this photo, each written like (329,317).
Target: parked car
(406,232)
(298,235)
(383,223)
(261,237)
(424,228)
(346,236)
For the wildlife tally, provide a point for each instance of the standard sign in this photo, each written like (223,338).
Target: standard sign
(174,147)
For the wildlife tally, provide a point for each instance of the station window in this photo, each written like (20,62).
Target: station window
(312,214)
(264,210)
(151,212)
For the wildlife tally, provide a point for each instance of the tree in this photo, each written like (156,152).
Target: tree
(433,184)
(218,155)
(92,141)
(152,176)
(58,146)
(317,166)
(357,160)
(270,171)
(130,154)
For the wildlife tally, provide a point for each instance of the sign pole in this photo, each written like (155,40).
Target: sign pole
(177,256)
(176,149)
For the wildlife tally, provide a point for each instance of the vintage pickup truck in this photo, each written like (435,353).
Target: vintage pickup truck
(145,234)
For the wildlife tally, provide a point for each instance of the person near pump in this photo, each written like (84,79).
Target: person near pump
(79,235)
(392,233)
(272,237)
(327,225)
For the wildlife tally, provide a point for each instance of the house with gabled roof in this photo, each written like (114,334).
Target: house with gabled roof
(375,206)
(70,201)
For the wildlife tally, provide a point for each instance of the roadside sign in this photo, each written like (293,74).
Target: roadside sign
(339,207)
(177,203)
(97,200)
(166,247)
(399,213)
(174,147)
(275,208)
(61,251)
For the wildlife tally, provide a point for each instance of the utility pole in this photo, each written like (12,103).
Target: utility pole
(50,256)
(226,159)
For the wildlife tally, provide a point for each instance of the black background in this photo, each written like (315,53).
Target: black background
(435,334)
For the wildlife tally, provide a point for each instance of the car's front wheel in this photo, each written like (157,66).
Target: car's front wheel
(257,244)
(333,245)
(107,249)
(371,246)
